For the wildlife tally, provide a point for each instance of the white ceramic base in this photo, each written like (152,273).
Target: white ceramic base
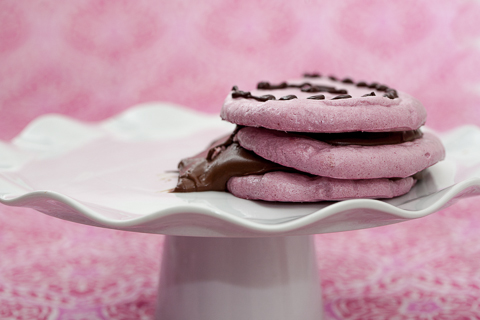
(239,279)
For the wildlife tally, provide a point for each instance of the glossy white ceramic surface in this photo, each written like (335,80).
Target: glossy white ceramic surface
(117,173)
(239,279)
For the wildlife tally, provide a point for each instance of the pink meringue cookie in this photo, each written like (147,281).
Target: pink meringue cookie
(372,113)
(342,162)
(294,187)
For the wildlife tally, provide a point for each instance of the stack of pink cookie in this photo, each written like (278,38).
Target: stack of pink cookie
(321,138)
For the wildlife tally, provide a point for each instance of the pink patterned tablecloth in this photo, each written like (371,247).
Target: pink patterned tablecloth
(93,59)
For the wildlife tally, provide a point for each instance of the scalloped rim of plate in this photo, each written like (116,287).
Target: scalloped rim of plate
(277,228)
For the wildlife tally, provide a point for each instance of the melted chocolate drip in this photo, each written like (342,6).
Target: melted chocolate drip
(210,170)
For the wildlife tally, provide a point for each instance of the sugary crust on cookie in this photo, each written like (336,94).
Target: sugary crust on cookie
(371,113)
(294,187)
(342,162)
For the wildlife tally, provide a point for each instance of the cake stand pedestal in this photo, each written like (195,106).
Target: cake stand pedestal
(239,279)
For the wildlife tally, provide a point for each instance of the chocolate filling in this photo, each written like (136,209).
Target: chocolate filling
(211,169)
(365,138)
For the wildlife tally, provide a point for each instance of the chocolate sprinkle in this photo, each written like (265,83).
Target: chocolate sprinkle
(267,97)
(241,94)
(312,75)
(317,97)
(304,87)
(264,85)
(391,93)
(362,84)
(342,96)
(301,85)
(313,88)
(289,97)
(381,87)
(338,91)
(317,88)
(248,95)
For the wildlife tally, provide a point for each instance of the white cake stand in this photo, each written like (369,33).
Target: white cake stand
(224,257)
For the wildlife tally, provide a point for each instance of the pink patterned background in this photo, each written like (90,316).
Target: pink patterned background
(93,59)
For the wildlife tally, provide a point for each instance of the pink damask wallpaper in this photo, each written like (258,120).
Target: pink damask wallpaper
(91,59)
